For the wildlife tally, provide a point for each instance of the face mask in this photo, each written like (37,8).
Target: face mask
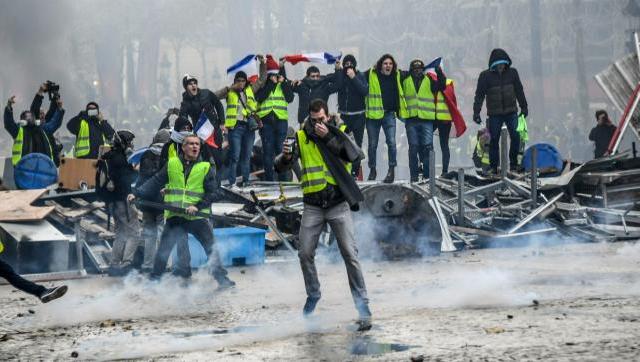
(37,122)
(128,151)
(22,122)
(92,112)
(178,137)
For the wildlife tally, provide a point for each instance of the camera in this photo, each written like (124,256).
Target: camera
(53,90)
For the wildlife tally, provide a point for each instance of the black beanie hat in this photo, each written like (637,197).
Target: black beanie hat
(240,75)
(350,58)
(92,104)
(180,123)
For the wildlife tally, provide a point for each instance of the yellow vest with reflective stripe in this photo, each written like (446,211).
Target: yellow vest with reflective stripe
(437,106)
(418,104)
(276,103)
(172,152)
(16,151)
(83,143)
(375,108)
(482,153)
(184,193)
(315,173)
(233,99)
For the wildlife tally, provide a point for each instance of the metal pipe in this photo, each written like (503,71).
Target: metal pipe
(504,153)
(534,176)
(461,196)
(535,213)
(432,172)
(79,242)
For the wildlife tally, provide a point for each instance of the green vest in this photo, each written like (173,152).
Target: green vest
(424,105)
(276,103)
(184,193)
(233,98)
(375,108)
(172,152)
(16,151)
(315,173)
(83,143)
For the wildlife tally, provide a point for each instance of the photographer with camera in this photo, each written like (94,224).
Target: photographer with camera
(91,131)
(31,134)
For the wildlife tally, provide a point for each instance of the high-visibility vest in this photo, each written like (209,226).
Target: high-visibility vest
(233,99)
(173,151)
(315,173)
(482,152)
(184,193)
(419,104)
(430,106)
(375,108)
(16,151)
(276,103)
(83,143)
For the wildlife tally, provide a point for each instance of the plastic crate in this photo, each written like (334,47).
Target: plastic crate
(240,245)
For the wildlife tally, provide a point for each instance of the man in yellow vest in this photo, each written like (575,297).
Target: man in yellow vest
(273,100)
(481,150)
(91,131)
(329,195)
(419,117)
(189,183)
(383,104)
(31,134)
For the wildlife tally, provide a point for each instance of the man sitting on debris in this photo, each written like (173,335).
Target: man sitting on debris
(44,294)
(329,195)
(602,133)
(188,184)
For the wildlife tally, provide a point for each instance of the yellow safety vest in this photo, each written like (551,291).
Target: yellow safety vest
(482,153)
(184,193)
(172,152)
(375,108)
(419,104)
(233,99)
(83,143)
(276,103)
(16,151)
(434,107)
(315,173)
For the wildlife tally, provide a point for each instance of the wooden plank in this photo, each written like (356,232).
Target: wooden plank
(16,205)
(74,171)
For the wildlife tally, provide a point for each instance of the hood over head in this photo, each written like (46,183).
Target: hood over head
(499,56)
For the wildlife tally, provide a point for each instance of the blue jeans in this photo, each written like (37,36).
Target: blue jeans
(444,128)
(273,134)
(240,148)
(420,137)
(495,125)
(388,124)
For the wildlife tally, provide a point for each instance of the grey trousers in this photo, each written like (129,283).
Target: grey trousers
(127,230)
(339,218)
(152,223)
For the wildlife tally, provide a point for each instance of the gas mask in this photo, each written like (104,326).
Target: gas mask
(92,112)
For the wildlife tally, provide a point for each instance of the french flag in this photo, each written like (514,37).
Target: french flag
(323,58)
(205,130)
(431,67)
(459,125)
(248,65)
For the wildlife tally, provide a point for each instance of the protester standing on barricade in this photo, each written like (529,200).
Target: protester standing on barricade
(91,131)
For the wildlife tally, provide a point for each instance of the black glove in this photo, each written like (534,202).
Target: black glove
(477,119)
(524,112)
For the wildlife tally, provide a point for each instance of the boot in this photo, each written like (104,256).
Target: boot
(390,176)
(309,306)
(53,293)
(372,175)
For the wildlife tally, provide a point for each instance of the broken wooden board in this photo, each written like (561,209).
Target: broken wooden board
(74,172)
(16,205)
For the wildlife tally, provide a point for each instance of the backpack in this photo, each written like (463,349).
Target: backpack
(104,184)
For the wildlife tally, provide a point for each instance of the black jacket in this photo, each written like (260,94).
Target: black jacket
(192,106)
(97,130)
(501,90)
(310,89)
(352,92)
(35,139)
(601,135)
(150,163)
(150,188)
(344,148)
(121,173)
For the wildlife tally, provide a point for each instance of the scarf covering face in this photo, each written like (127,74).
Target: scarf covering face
(178,137)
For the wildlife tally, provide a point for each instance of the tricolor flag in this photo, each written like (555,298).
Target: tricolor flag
(324,58)
(248,65)
(205,130)
(136,156)
(431,67)
(459,126)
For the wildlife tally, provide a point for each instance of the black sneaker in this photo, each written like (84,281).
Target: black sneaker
(372,175)
(226,283)
(53,293)
(309,306)
(364,324)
